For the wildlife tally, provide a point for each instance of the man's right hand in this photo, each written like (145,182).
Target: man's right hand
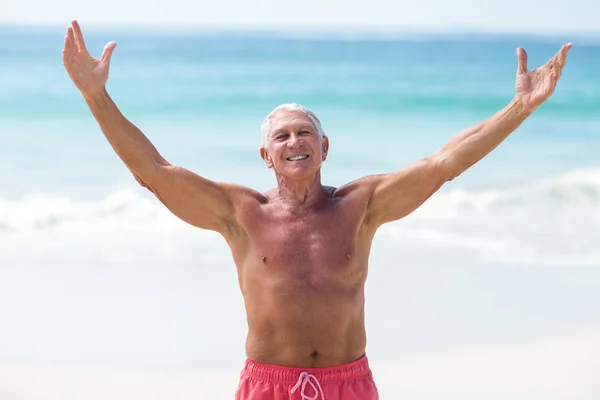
(88,74)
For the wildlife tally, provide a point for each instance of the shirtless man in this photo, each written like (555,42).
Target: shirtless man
(301,249)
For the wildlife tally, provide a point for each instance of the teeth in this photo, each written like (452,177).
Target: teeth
(296,158)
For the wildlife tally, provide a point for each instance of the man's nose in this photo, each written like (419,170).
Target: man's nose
(294,140)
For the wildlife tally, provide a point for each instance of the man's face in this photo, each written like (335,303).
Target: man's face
(295,149)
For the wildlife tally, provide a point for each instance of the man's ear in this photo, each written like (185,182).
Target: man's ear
(266,157)
(325,148)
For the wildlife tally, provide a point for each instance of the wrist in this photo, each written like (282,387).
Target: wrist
(521,106)
(96,98)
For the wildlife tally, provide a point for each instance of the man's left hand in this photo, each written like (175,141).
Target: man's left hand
(535,87)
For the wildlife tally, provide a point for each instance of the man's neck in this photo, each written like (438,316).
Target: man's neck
(300,195)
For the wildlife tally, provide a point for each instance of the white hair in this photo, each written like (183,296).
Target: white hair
(265,128)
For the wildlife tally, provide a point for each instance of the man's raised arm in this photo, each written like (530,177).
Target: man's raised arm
(196,200)
(398,194)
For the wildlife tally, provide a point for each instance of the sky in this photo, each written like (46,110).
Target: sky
(509,16)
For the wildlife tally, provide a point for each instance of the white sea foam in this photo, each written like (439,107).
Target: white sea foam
(554,221)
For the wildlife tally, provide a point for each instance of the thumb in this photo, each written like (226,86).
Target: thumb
(522,60)
(108,50)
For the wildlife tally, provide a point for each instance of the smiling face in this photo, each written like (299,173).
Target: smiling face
(294,146)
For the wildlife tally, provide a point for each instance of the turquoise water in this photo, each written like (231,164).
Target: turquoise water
(509,249)
(201,100)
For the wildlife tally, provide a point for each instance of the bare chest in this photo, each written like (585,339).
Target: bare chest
(319,251)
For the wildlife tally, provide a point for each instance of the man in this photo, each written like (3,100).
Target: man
(301,249)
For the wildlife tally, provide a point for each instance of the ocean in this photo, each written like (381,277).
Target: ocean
(94,271)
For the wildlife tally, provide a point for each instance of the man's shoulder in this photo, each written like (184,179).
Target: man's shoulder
(243,195)
(361,187)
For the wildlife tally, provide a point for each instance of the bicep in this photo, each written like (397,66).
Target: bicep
(396,195)
(196,200)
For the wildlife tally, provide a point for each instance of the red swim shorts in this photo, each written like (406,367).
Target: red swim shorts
(353,381)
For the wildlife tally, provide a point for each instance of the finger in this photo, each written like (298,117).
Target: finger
(71,37)
(552,63)
(78,35)
(566,49)
(66,44)
(561,55)
(108,50)
(556,69)
(522,60)
(70,46)
(553,80)
(550,81)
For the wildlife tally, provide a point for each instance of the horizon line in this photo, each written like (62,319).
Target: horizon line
(314,32)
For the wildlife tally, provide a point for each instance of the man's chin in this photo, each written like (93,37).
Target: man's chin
(298,173)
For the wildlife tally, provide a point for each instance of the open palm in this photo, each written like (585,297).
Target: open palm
(534,87)
(87,73)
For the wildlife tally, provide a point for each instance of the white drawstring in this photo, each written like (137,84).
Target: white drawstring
(305,378)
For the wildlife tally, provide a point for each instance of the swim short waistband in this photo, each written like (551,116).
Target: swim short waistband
(355,370)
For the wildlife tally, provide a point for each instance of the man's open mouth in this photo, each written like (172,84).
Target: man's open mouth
(298,158)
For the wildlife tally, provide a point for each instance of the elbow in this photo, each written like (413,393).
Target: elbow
(147,175)
(446,166)
(141,182)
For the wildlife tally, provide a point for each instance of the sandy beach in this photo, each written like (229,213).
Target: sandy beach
(559,368)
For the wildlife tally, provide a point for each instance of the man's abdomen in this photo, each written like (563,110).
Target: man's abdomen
(307,330)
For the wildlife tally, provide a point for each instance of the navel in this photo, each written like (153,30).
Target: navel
(263,259)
